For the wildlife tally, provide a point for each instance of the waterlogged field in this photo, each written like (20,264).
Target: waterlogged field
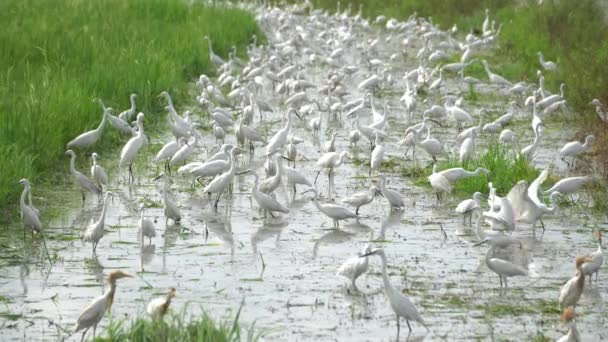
(282,270)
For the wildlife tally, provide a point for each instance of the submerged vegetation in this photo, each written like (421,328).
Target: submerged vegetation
(57,56)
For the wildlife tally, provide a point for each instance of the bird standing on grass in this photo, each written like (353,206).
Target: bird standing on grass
(94,312)
(157,308)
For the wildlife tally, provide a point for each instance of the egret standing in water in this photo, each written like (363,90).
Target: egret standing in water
(130,150)
(353,267)
(98,173)
(573,288)
(401,304)
(95,231)
(468,207)
(330,161)
(572,149)
(171,209)
(29,216)
(362,198)
(597,259)
(265,201)
(94,312)
(158,307)
(146,226)
(85,184)
(336,212)
(393,197)
(221,182)
(502,268)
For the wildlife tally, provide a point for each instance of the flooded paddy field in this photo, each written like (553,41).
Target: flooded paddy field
(283,268)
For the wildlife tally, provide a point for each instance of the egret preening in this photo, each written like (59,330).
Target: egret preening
(171,210)
(146,226)
(571,292)
(336,212)
(158,307)
(85,184)
(95,231)
(265,201)
(94,312)
(502,268)
(362,198)
(98,173)
(354,267)
(401,304)
(597,259)
(130,150)
(572,149)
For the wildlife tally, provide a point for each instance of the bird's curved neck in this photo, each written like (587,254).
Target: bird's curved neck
(102,218)
(140,127)
(110,293)
(26,189)
(102,124)
(209,44)
(72,163)
(132,104)
(580,282)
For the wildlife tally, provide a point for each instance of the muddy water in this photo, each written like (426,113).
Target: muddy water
(284,268)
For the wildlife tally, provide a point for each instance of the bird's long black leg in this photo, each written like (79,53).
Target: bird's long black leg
(408,324)
(317,177)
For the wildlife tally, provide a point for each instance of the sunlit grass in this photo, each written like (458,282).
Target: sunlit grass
(56,56)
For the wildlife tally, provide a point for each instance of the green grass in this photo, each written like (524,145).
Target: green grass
(56,56)
(177,327)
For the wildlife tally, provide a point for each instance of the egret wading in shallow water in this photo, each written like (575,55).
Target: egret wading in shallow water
(354,267)
(597,259)
(362,198)
(502,268)
(98,173)
(571,292)
(572,149)
(84,183)
(336,212)
(221,182)
(170,208)
(573,335)
(439,183)
(29,215)
(94,312)
(95,231)
(265,201)
(330,161)
(401,305)
(130,150)
(146,226)
(158,307)
(468,207)
(393,197)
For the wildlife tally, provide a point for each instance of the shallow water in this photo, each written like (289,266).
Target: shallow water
(284,268)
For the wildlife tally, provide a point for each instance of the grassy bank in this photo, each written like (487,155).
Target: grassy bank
(56,56)
(572,33)
(177,328)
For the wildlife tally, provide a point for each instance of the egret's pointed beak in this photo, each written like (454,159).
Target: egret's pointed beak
(481,243)
(157,177)
(243,172)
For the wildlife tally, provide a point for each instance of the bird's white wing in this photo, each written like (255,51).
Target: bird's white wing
(534,187)
(93,313)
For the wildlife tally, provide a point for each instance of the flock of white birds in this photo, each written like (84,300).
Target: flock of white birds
(237,105)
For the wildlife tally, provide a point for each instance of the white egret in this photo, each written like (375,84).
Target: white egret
(89,138)
(467,148)
(98,173)
(393,197)
(362,198)
(571,292)
(431,145)
(528,152)
(279,139)
(354,267)
(572,149)
(168,150)
(128,114)
(573,334)
(29,215)
(551,99)
(146,226)
(265,201)
(85,184)
(223,181)
(214,58)
(603,115)
(506,136)
(336,212)
(439,183)
(354,136)
(401,304)
(494,237)
(468,207)
(597,259)
(330,161)
(183,153)
(494,78)
(170,208)
(271,183)
(547,65)
(94,312)
(294,177)
(539,208)
(132,147)
(158,307)
(568,185)
(95,231)
(330,146)
(504,269)
(375,160)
